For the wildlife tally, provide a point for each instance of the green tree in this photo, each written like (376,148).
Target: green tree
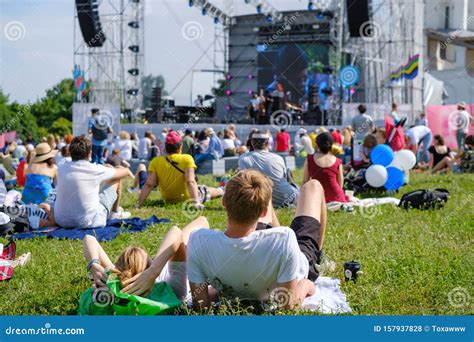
(16,117)
(61,127)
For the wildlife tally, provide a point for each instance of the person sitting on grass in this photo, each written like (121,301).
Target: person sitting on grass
(285,193)
(174,173)
(327,169)
(440,155)
(87,194)
(250,259)
(134,268)
(40,175)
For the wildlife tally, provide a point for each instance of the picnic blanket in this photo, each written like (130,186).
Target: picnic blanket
(107,233)
(364,203)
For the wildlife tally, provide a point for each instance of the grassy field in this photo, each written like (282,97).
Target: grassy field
(413,262)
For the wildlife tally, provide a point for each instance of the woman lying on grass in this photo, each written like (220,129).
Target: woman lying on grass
(134,268)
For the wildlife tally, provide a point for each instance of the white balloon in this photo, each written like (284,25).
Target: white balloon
(376,175)
(404,160)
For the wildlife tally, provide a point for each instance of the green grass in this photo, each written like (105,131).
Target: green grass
(411,260)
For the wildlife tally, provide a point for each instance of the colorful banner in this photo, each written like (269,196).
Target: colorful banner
(79,79)
(442,120)
(408,71)
(6,138)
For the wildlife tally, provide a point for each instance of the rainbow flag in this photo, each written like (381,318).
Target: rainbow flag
(408,71)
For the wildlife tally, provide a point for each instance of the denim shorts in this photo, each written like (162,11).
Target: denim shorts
(107,197)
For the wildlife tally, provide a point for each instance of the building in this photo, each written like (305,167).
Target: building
(449,50)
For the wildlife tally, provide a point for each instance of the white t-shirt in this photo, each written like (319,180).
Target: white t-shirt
(77,194)
(125,147)
(20,151)
(417,133)
(228,143)
(250,267)
(307,144)
(143,147)
(464,121)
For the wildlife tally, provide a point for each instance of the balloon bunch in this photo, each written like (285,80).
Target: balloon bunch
(388,168)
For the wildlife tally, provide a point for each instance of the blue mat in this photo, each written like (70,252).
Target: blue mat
(107,233)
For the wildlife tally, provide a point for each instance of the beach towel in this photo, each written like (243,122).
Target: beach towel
(107,233)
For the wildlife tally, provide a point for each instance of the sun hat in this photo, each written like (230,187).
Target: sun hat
(210,131)
(173,138)
(462,104)
(260,135)
(43,152)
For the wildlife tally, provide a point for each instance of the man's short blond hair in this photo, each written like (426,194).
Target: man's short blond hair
(246,196)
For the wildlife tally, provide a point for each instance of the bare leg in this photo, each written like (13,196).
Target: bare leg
(446,162)
(141,167)
(50,222)
(311,202)
(200,222)
(270,217)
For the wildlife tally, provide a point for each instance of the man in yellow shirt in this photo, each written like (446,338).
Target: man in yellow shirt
(174,174)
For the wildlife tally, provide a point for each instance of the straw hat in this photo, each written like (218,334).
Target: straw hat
(462,105)
(43,152)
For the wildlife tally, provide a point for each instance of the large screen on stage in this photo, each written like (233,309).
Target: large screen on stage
(292,69)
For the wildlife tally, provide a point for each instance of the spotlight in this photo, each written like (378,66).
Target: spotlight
(228,92)
(228,107)
(250,92)
(250,76)
(191,3)
(133,92)
(216,20)
(228,77)
(204,11)
(259,9)
(310,6)
(133,72)
(269,18)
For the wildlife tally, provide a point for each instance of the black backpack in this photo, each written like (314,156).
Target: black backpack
(424,199)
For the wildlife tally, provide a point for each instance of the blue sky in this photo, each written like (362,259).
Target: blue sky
(44,53)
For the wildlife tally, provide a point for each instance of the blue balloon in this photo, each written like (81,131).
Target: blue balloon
(381,155)
(395,178)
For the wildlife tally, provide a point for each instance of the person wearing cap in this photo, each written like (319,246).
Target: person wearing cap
(272,165)
(41,175)
(98,129)
(174,174)
(463,122)
(87,194)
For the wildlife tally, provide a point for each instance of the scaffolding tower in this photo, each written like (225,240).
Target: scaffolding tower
(115,70)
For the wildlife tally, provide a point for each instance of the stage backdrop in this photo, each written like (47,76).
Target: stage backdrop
(442,121)
(377,111)
(81,112)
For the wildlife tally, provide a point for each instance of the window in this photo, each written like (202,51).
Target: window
(446,17)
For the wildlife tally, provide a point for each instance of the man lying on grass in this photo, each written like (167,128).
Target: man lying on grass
(250,259)
(174,174)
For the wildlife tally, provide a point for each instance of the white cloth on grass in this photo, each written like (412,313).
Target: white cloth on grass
(328,297)
(366,202)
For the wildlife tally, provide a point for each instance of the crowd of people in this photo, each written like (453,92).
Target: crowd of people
(78,182)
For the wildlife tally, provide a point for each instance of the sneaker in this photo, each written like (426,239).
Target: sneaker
(121,215)
(133,190)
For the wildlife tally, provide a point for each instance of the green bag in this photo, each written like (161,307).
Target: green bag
(110,301)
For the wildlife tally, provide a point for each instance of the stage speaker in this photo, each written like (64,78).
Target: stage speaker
(156,99)
(358,18)
(313,98)
(89,22)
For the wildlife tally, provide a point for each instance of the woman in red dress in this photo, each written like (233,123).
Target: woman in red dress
(327,169)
